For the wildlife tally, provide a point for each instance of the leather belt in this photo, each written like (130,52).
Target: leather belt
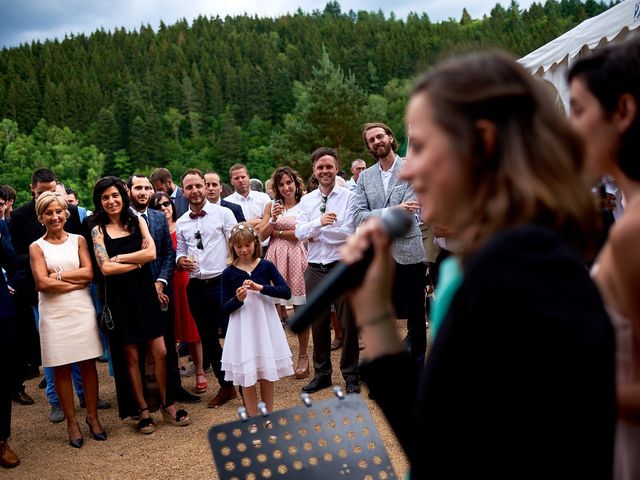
(324,266)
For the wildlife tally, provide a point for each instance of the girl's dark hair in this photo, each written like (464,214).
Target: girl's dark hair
(129,221)
(277,176)
(157,197)
(608,74)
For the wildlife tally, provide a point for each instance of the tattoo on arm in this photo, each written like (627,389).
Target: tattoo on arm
(98,246)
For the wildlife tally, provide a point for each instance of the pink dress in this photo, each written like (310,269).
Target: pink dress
(290,258)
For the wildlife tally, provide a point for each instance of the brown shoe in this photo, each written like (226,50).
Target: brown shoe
(222,397)
(23,398)
(8,458)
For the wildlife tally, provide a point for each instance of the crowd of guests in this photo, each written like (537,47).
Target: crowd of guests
(533,368)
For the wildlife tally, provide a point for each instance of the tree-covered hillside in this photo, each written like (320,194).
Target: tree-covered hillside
(218,91)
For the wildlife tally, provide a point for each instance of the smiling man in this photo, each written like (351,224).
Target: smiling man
(325,221)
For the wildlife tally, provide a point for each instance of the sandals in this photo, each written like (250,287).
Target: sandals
(145,425)
(301,372)
(201,387)
(180,420)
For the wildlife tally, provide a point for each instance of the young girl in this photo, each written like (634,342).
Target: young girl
(255,348)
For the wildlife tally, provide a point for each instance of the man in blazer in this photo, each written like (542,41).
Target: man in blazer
(26,229)
(213,187)
(380,188)
(162,181)
(140,191)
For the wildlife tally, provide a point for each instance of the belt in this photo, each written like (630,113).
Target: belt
(207,281)
(324,266)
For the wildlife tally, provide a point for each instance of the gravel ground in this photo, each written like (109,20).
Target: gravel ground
(169,453)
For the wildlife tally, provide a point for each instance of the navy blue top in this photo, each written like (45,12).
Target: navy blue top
(265,273)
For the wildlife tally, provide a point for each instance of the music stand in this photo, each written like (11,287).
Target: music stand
(333,438)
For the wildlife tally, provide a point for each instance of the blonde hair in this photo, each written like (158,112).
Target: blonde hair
(243,232)
(46,199)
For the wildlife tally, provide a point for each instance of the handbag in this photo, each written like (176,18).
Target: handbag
(106,319)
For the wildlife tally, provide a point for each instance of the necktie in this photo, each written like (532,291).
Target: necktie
(200,214)
(146,219)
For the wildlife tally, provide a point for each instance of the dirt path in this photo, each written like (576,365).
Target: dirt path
(169,453)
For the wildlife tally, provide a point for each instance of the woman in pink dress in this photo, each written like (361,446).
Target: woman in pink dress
(286,252)
(185,326)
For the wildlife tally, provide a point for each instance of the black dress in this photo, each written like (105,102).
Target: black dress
(136,315)
(132,296)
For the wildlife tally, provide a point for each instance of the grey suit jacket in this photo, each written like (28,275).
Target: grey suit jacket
(371,200)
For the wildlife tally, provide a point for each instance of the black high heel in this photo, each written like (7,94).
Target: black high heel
(99,436)
(76,442)
(145,425)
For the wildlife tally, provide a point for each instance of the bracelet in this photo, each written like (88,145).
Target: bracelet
(380,318)
(59,276)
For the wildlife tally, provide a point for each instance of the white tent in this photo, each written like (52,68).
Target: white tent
(551,61)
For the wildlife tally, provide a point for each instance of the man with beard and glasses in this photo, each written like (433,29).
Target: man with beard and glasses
(202,235)
(162,181)
(140,191)
(379,188)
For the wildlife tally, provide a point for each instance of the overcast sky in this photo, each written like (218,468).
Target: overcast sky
(26,20)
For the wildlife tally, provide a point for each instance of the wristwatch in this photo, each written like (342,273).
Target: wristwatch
(272,221)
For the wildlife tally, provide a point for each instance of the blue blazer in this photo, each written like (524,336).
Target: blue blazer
(162,267)
(181,202)
(9,262)
(235,208)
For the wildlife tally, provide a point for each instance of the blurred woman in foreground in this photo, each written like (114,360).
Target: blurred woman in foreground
(605,97)
(519,382)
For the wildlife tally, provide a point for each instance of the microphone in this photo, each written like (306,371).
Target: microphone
(396,223)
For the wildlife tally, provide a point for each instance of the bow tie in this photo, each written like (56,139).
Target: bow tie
(200,214)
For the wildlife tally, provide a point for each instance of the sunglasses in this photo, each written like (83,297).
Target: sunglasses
(323,205)
(199,245)
(165,204)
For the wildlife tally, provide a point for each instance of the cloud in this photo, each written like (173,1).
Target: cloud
(22,21)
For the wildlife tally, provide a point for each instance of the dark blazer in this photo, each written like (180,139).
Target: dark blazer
(181,202)
(26,229)
(9,262)
(235,208)
(162,267)
(519,382)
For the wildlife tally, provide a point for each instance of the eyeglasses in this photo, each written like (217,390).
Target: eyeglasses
(323,205)
(199,245)
(377,138)
(158,206)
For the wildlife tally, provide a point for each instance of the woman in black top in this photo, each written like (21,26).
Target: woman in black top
(519,382)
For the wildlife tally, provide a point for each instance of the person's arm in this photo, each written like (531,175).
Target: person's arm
(276,285)
(336,234)
(44,283)
(361,208)
(626,264)
(84,273)
(167,255)
(265,227)
(232,297)
(106,265)
(147,253)
(307,229)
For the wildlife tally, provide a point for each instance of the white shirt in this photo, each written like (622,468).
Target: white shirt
(325,242)
(215,228)
(386,175)
(252,205)
(352,185)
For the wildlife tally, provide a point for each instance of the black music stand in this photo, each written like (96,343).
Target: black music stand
(329,439)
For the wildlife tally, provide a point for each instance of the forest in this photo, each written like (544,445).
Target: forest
(218,91)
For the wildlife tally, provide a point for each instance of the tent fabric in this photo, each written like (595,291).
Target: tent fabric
(551,61)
